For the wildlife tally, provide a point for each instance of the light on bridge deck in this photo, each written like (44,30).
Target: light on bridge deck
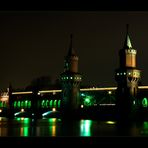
(22,110)
(82,106)
(54,109)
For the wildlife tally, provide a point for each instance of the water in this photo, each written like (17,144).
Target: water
(54,127)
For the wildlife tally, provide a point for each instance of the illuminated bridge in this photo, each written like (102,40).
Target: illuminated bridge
(49,101)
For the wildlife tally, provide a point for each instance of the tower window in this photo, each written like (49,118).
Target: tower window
(130,79)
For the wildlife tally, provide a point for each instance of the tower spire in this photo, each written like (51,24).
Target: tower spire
(127,43)
(127,28)
(71,51)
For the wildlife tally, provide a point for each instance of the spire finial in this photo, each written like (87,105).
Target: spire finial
(127,43)
(71,50)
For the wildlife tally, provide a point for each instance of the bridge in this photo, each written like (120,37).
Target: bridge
(49,101)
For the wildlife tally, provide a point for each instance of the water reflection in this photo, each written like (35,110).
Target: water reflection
(144,130)
(24,131)
(3,128)
(53,127)
(85,127)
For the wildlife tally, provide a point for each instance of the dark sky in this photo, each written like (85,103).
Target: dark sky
(34,43)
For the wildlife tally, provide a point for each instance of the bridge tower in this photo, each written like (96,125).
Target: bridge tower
(127,77)
(70,80)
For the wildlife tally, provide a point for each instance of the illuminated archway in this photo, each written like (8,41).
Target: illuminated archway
(22,103)
(15,104)
(43,104)
(26,104)
(50,103)
(29,104)
(144,102)
(18,104)
(59,103)
(1,104)
(55,103)
(47,103)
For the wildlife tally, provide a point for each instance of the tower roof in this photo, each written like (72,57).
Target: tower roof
(71,51)
(127,43)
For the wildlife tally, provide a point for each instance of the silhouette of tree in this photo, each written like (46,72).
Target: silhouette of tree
(43,82)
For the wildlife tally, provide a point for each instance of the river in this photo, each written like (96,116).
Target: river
(54,127)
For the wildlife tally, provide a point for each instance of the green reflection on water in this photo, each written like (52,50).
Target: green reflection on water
(24,131)
(52,126)
(144,130)
(85,127)
(23,120)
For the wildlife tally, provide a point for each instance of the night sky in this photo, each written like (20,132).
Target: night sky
(34,43)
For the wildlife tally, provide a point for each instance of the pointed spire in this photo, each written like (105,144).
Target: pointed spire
(127,43)
(71,50)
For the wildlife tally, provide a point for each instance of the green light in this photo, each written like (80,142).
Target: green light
(85,127)
(59,103)
(145,125)
(47,102)
(26,120)
(25,104)
(43,103)
(52,126)
(55,103)
(88,101)
(22,103)
(1,104)
(82,94)
(18,118)
(50,104)
(26,131)
(145,102)
(52,120)
(29,104)
(15,104)
(18,104)
(144,130)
